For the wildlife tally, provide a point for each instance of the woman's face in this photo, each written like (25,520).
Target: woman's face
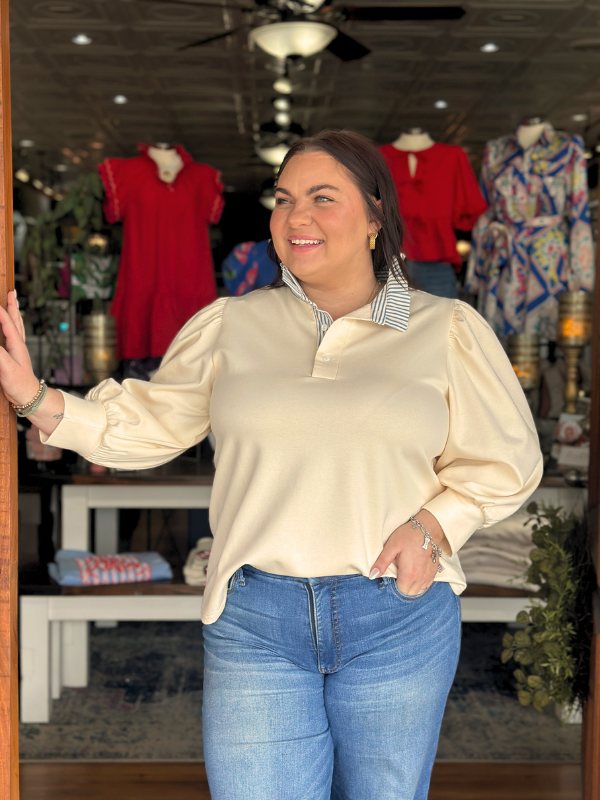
(320,224)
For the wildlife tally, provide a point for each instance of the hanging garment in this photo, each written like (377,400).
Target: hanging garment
(535,240)
(442,197)
(166,271)
(248,267)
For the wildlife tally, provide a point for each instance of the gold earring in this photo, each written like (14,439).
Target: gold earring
(372,237)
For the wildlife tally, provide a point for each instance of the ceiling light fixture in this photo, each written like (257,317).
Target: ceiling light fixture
(47,190)
(61,168)
(81,38)
(579,117)
(283,118)
(282,103)
(587,154)
(97,145)
(22,175)
(273,155)
(37,183)
(26,143)
(489,47)
(441,104)
(284,39)
(120,99)
(283,86)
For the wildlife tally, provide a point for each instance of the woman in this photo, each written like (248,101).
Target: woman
(364,430)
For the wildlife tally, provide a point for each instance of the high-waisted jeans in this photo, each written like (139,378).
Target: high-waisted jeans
(327,688)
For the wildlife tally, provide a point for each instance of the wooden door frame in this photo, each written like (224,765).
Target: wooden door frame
(9,687)
(591,716)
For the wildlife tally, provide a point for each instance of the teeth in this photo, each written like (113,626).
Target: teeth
(306,241)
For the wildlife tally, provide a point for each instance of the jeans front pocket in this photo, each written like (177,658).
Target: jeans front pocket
(408,597)
(236,579)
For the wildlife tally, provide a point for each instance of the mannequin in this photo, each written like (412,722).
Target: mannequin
(535,239)
(167,159)
(166,272)
(529,132)
(414,140)
(437,194)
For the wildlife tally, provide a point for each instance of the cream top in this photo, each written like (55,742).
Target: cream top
(325,448)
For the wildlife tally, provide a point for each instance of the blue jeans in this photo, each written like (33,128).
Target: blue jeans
(327,688)
(435,277)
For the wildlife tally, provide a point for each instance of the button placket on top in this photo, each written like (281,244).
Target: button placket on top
(329,353)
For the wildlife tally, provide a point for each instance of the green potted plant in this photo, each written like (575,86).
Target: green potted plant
(552,651)
(74,228)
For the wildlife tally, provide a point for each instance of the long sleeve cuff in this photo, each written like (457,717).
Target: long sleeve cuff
(458,516)
(82,427)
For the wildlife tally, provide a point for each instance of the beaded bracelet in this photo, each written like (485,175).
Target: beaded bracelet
(435,550)
(30,408)
(31,402)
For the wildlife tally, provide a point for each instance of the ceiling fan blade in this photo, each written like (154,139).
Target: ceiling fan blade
(402,13)
(199,5)
(211,38)
(346,48)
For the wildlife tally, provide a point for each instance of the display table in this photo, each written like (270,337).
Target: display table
(168,487)
(54,627)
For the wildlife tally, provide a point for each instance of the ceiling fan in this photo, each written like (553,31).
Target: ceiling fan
(339,44)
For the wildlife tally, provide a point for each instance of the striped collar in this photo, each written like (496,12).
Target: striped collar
(390,307)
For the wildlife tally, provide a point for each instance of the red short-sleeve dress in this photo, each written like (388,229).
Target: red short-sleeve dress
(166,270)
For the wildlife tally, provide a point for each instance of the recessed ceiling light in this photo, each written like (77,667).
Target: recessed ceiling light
(37,183)
(47,190)
(489,47)
(22,175)
(76,160)
(26,143)
(597,148)
(283,85)
(579,117)
(97,145)
(441,104)
(61,168)
(282,118)
(120,99)
(81,38)
(587,154)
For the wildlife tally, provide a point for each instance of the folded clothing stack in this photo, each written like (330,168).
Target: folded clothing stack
(499,555)
(196,566)
(80,568)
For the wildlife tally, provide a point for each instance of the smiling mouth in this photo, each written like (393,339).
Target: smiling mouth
(305,242)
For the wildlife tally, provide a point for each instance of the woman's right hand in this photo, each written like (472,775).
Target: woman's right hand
(16,374)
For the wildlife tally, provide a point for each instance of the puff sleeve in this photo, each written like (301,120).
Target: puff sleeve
(469,204)
(141,424)
(492,461)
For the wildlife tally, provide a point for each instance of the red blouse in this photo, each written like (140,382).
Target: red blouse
(442,197)
(166,270)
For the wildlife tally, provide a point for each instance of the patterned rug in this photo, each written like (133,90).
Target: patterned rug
(145,694)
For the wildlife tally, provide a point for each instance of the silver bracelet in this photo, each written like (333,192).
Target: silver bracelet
(435,550)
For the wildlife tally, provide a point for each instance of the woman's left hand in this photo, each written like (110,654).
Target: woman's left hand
(416,570)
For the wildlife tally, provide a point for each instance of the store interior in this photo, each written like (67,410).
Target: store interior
(147,136)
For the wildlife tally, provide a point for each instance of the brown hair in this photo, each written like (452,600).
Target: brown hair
(372,177)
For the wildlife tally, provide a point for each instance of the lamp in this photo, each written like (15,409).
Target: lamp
(524,355)
(574,331)
(273,155)
(301,38)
